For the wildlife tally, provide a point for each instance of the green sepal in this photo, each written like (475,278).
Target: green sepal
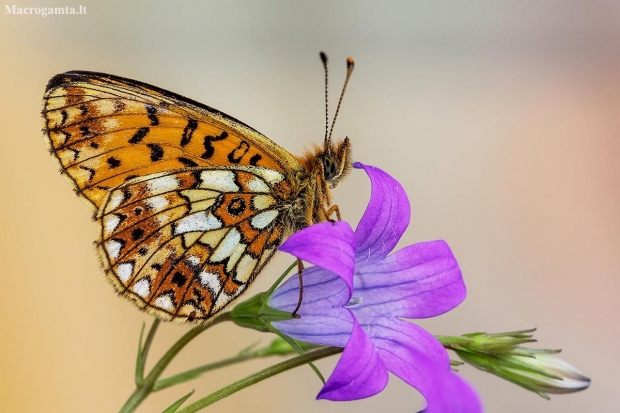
(256,314)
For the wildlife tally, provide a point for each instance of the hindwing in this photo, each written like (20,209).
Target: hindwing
(183,244)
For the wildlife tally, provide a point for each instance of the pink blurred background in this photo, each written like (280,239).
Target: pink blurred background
(501,120)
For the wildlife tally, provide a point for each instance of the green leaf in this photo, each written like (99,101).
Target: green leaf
(175,406)
(139,375)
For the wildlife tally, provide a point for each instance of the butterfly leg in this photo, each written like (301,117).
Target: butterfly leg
(331,210)
(300,269)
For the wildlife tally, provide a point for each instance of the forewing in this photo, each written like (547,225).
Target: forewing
(105,130)
(184,244)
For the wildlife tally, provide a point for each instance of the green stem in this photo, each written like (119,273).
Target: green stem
(144,389)
(143,351)
(260,376)
(194,373)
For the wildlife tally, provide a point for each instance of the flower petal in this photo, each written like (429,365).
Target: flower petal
(421,280)
(333,328)
(322,289)
(330,245)
(385,218)
(323,320)
(359,373)
(453,395)
(409,352)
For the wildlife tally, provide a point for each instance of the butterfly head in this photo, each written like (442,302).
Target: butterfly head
(335,161)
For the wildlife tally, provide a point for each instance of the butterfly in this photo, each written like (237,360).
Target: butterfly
(190,202)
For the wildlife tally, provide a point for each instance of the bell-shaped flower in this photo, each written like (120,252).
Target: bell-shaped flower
(357,295)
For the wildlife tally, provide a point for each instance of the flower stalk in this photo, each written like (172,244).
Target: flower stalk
(261,375)
(144,387)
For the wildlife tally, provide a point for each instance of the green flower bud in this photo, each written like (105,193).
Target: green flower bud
(536,370)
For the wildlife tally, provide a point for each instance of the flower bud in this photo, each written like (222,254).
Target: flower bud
(537,370)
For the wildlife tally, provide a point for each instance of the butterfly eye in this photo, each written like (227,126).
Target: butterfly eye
(329,168)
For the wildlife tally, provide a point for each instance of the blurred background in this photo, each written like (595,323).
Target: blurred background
(501,120)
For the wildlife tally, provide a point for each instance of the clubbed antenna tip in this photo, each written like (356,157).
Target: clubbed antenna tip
(323,58)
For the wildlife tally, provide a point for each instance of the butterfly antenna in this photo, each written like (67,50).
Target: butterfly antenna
(324,60)
(350,64)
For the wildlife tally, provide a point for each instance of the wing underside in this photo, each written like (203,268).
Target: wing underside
(106,130)
(184,244)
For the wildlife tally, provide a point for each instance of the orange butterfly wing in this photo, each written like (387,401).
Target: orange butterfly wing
(105,130)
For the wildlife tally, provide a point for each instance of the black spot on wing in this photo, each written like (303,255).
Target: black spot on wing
(207,143)
(187,162)
(85,131)
(126,195)
(179,279)
(137,233)
(254,159)
(152,111)
(113,162)
(188,132)
(157,152)
(121,218)
(139,135)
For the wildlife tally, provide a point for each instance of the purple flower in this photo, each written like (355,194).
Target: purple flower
(356,295)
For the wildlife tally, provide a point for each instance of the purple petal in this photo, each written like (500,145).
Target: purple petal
(333,328)
(419,281)
(359,373)
(385,218)
(409,352)
(330,245)
(453,395)
(322,289)
(323,320)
